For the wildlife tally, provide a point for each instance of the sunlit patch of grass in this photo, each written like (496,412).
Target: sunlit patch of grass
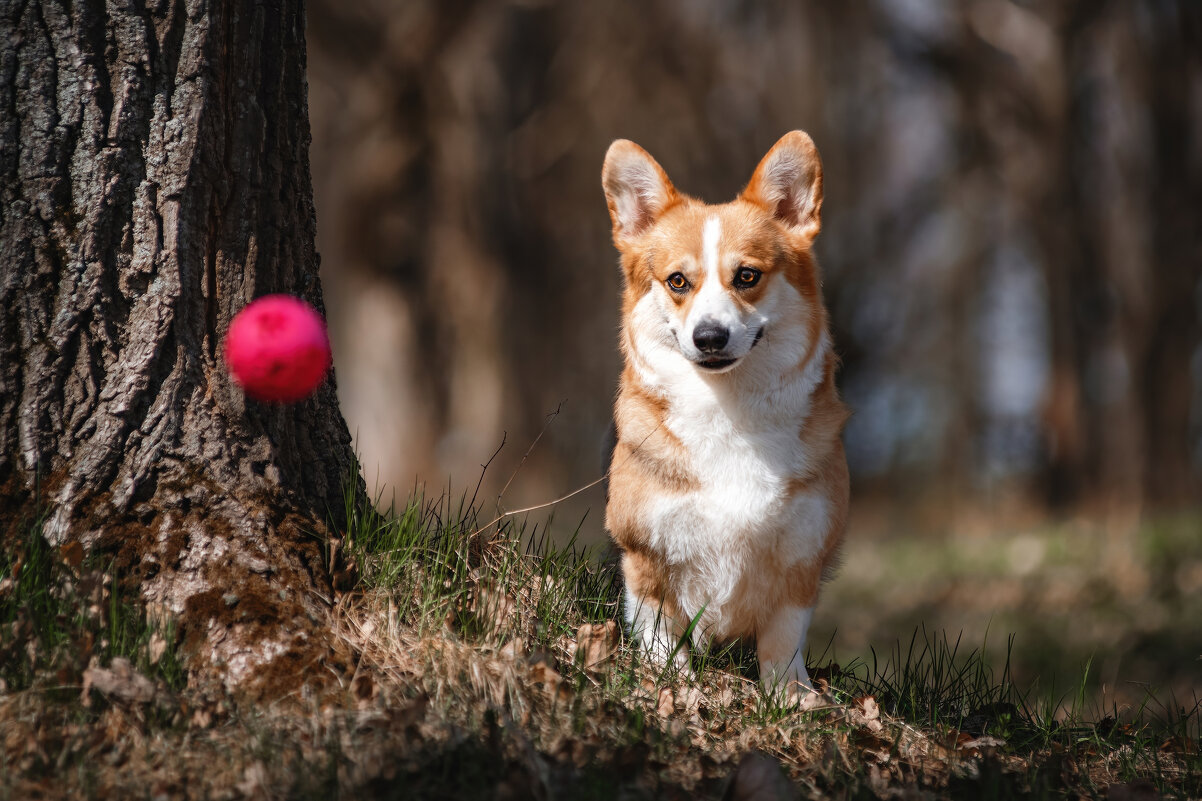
(443,565)
(503,608)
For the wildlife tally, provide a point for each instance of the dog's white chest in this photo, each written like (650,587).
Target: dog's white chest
(740,520)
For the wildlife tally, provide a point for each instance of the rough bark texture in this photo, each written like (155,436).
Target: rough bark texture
(155,178)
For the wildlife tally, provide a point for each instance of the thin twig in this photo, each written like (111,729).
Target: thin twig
(484,469)
(536,507)
(571,494)
(546,424)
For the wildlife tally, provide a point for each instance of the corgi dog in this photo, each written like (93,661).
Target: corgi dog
(728,484)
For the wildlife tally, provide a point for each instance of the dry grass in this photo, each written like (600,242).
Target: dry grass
(489,666)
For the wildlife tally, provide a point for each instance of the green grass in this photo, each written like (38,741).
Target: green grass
(441,561)
(62,613)
(59,611)
(1074,593)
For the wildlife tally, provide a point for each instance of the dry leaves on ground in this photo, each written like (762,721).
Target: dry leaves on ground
(121,682)
(596,645)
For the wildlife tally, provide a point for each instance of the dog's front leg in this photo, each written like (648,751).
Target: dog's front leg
(781,650)
(649,617)
(656,632)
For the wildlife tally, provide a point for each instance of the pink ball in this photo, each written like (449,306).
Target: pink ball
(277,349)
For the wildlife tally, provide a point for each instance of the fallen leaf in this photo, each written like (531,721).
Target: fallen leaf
(541,672)
(725,695)
(870,742)
(966,742)
(689,699)
(495,609)
(596,644)
(816,699)
(666,704)
(120,681)
(255,781)
(156,647)
(71,553)
(865,712)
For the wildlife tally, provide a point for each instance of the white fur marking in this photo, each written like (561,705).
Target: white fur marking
(709,248)
(712,302)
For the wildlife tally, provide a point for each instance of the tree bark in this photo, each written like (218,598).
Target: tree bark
(155,178)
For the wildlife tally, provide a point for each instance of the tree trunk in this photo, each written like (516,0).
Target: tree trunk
(155,179)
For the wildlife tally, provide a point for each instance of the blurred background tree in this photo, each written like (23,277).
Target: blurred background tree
(1012,250)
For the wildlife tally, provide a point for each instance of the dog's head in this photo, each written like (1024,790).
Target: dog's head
(707,284)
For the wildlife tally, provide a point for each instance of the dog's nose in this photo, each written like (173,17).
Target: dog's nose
(710,337)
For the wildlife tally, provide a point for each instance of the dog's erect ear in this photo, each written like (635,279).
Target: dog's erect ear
(788,183)
(636,188)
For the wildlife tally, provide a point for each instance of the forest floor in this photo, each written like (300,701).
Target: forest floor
(488,666)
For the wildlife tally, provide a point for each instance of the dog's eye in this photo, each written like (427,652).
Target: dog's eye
(746,277)
(677,282)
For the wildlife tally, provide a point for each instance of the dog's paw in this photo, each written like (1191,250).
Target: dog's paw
(665,658)
(812,699)
(801,694)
